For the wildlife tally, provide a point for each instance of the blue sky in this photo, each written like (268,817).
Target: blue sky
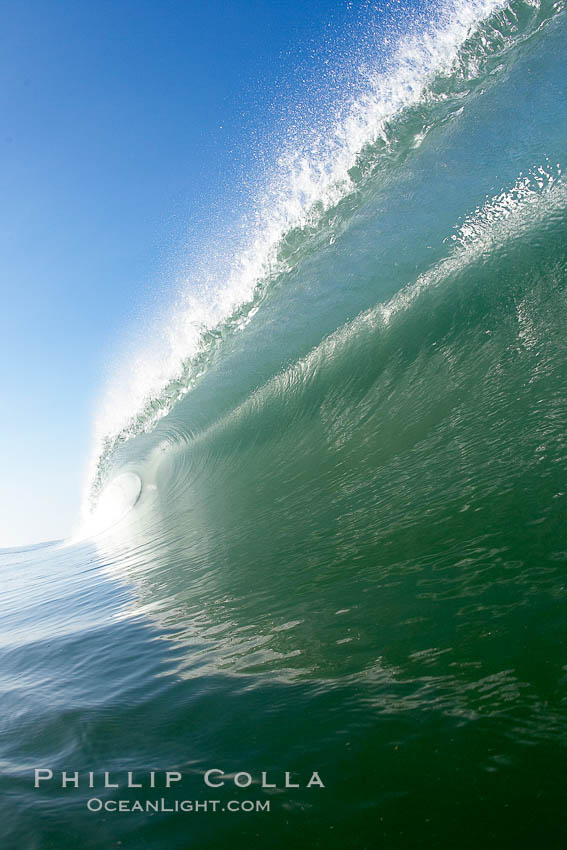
(124,126)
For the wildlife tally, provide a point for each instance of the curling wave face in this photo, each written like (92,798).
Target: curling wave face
(397,372)
(323,180)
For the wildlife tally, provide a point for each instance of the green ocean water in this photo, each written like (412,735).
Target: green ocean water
(348,555)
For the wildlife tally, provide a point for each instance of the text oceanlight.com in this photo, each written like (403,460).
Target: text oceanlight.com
(95,804)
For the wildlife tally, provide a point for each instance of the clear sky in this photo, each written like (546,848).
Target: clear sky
(122,124)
